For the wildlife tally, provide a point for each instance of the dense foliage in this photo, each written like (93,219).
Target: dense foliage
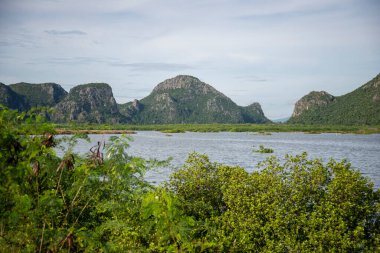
(185,99)
(44,94)
(359,107)
(257,128)
(11,99)
(101,202)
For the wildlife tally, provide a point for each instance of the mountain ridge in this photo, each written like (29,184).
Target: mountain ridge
(181,99)
(186,99)
(43,94)
(358,107)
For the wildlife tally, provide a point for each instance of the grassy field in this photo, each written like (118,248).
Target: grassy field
(181,128)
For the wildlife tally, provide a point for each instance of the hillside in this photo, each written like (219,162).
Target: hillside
(11,99)
(253,114)
(88,103)
(186,99)
(43,94)
(182,99)
(359,107)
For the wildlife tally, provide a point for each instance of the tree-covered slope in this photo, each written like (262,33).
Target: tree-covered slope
(253,114)
(361,106)
(186,99)
(42,94)
(11,99)
(182,99)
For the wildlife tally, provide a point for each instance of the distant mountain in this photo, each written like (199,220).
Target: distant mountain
(185,99)
(281,120)
(182,99)
(361,106)
(11,99)
(42,94)
(253,114)
(89,103)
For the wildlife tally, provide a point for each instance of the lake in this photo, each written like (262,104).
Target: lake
(363,151)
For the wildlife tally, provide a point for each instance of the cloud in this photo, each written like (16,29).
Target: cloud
(153,66)
(79,60)
(275,50)
(251,79)
(65,32)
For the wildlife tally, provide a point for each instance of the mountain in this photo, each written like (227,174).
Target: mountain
(182,99)
(281,120)
(361,106)
(43,94)
(88,103)
(186,99)
(11,99)
(253,114)
(313,100)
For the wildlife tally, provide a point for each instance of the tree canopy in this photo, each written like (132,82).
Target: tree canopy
(100,202)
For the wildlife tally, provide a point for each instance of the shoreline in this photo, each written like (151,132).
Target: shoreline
(208,128)
(89,131)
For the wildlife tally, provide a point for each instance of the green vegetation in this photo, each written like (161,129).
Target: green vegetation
(101,202)
(11,99)
(172,131)
(259,128)
(360,107)
(263,149)
(185,99)
(43,94)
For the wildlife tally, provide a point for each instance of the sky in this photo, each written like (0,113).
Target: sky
(267,51)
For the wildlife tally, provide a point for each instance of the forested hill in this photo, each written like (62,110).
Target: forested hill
(359,107)
(182,99)
(186,99)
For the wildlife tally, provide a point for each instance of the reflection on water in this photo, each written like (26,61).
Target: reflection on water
(363,151)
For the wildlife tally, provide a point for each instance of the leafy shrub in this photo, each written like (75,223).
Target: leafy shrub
(263,149)
(301,205)
(103,204)
(57,204)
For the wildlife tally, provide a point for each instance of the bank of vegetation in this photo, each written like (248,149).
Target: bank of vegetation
(258,128)
(101,203)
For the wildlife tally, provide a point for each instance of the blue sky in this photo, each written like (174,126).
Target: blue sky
(267,51)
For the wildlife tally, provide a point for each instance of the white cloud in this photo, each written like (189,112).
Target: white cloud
(64,32)
(295,46)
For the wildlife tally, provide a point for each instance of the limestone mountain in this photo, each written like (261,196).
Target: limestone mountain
(42,94)
(186,99)
(88,103)
(312,101)
(182,99)
(253,114)
(11,99)
(130,109)
(361,106)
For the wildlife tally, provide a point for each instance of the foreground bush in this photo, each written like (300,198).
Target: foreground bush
(300,206)
(52,204)
(101,202)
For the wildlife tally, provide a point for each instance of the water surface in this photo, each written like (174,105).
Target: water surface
(363,151)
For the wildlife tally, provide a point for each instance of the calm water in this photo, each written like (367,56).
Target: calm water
(363,151)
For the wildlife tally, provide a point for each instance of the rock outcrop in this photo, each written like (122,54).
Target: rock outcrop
(130,109)
(90,103)
(311,101)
